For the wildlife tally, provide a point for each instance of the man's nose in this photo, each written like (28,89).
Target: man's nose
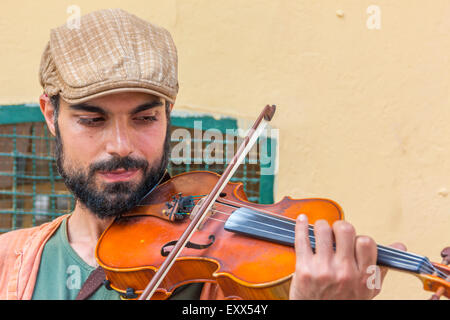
(119,140)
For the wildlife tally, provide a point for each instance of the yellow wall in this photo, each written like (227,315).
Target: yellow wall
(364,113)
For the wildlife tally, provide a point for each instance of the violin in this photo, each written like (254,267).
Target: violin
(197,227)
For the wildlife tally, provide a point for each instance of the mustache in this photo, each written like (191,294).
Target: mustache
(116,163)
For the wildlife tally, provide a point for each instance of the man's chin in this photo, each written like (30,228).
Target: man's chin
(107,207)
(110,199)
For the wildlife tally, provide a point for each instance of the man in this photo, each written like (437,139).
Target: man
(109,87)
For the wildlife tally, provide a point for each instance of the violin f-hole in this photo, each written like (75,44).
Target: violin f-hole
(165,252)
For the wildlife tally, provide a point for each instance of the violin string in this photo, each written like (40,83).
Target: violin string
(440,274)
(309,227)
(401,257)
(291,222)
(311,239)
(406,259)
(215,219)
(400,261)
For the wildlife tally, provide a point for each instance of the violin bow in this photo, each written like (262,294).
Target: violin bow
(248,142)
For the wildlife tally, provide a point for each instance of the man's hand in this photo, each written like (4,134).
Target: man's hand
(334,274)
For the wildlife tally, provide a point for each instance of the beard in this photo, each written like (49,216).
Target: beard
(114,198)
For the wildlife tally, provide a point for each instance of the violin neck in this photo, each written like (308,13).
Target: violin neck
(282,230)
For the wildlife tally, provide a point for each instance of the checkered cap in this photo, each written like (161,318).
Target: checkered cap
(111,51)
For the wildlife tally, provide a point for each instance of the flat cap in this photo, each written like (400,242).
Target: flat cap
(111,51)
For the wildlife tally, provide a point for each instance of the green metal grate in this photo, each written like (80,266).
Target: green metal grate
(32,192)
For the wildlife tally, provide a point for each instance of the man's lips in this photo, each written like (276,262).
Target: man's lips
(118,175)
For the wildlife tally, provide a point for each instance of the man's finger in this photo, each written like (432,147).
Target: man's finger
(302,241)
(366,252)
(323,235)
(344,234)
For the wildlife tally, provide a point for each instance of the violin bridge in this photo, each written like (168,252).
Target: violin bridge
(195,212)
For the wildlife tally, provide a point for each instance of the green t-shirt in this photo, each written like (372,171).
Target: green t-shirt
(62,273)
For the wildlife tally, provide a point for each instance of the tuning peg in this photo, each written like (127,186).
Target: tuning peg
(438,294)
(445,254)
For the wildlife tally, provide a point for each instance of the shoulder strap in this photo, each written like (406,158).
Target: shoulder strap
(92,283)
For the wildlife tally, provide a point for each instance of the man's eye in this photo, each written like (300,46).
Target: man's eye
(146,118)
(92,122)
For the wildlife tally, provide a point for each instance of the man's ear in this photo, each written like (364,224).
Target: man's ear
(48,110)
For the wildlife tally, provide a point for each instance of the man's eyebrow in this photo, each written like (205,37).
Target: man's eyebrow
(146,106)
(95,109)
(88,108)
